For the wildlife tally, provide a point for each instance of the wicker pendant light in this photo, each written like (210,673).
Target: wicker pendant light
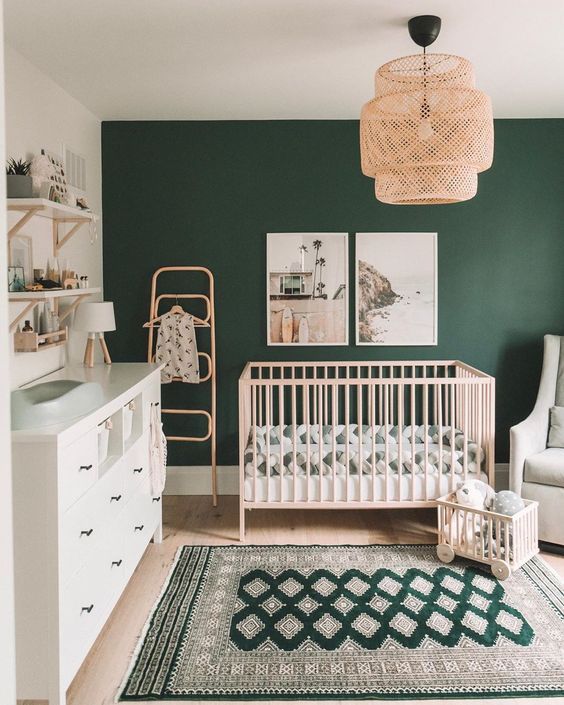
(428,132)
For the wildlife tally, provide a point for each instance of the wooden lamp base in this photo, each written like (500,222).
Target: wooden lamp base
(89,351)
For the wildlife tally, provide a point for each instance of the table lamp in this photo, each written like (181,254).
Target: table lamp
(95,318)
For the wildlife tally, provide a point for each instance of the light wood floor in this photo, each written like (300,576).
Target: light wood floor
(192,520)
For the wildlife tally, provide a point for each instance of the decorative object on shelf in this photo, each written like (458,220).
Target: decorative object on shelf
(396,289)
(16,279)
(82,203)
(57,181)
(95,318)
(307,281)
(54,270)
(31,341)
(19,183)
(28,328)
(41,172)
(20,254)
(428,132)
(71,282)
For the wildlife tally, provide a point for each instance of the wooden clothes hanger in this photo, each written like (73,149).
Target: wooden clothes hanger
(177,310)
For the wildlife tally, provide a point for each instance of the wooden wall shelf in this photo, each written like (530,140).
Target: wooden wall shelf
(56,212)
(33,298)
(33,342)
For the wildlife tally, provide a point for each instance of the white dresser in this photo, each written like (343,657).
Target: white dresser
(83,517)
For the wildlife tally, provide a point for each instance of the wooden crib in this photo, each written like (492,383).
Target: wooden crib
(346,435)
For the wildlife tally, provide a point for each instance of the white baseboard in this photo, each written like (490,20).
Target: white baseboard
(196,479)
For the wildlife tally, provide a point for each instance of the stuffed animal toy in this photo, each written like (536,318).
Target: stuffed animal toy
(507,503)
(464,527)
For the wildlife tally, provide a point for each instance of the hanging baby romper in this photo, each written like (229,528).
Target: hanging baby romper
(176,348)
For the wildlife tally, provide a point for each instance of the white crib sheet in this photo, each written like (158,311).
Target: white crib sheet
(437,485)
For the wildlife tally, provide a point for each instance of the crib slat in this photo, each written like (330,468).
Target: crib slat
(465,432)
(268,393)
(412,421)
(401,400)
(335,401)
(308,442)
(347,439)
(439,401)
(294,423)
(452,443)
(281,430)
(320,443)
(254,393)
(360,445)
(373,428)
(387,402)
(426,437)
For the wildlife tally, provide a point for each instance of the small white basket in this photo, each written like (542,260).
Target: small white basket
(128,410)
(503,542)
(104,439)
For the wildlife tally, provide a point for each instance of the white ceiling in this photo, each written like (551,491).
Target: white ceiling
(279,59)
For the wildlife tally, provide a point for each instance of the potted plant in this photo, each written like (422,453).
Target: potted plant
(18,181)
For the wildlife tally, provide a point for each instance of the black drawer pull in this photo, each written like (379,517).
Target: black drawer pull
(85,467)
(139,528)
(156,499)
(87,609)
(137,469)
(115,498)
(85,532)
(117,563)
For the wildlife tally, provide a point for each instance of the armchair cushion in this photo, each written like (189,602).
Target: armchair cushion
(556,433)
(546,468)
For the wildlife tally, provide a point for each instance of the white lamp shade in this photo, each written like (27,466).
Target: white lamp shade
(95,317)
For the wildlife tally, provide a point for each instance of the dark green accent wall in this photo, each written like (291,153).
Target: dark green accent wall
(207,192)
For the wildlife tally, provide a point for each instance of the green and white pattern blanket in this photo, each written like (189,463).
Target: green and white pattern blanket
(432,449)
(346,622)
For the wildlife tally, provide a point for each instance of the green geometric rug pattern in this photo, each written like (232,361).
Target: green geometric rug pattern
(324,611)
(347,622)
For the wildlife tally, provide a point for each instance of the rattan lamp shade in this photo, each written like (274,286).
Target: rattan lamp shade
(428,132)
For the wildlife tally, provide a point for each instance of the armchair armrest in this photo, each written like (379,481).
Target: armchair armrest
(530,436)
(526,438)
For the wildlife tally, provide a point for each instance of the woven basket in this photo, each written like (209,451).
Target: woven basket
(428,132)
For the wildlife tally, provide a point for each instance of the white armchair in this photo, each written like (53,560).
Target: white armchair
(535,471)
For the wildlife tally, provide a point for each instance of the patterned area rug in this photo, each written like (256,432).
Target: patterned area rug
(347,622)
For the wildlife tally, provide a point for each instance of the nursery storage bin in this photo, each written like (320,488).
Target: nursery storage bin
(503,542)
(103,440)
(128,410)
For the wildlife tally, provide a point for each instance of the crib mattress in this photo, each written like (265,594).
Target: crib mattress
(424,450)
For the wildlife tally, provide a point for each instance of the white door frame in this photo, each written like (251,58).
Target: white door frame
(7,632)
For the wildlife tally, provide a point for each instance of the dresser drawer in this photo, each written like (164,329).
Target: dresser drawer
(87,525)
(136,466)
(139,526)
(77,469)
(83,611)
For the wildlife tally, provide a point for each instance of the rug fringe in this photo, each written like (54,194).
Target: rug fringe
(141,638)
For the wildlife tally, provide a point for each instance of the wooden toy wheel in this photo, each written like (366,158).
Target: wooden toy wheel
(501,570)
(445,553)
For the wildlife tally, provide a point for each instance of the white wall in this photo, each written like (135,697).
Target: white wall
(40,114)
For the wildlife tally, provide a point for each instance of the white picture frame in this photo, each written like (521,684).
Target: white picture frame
(307,289)
(407,311)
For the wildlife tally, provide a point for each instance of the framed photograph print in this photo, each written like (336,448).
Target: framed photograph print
(16,280)
(396,289)
(307,288)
